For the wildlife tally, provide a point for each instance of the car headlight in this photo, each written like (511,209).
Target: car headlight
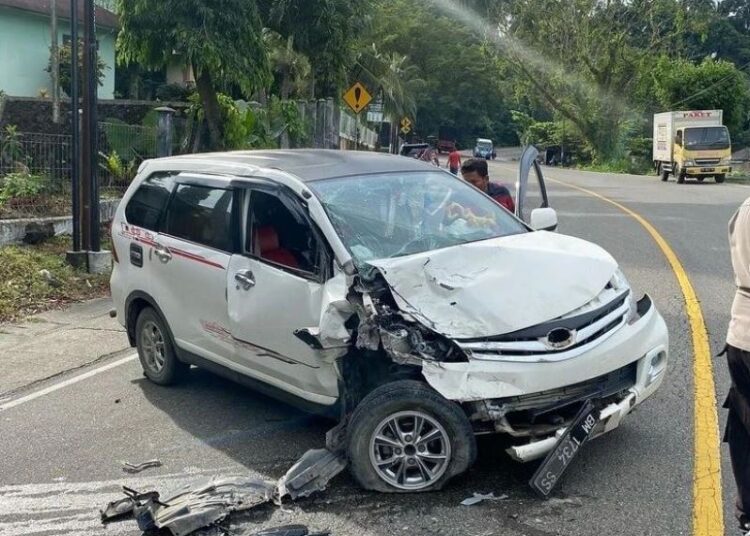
(620,283)
(689,163)
(726,161)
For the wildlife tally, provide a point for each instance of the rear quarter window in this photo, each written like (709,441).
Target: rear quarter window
(202,215)
(149,201)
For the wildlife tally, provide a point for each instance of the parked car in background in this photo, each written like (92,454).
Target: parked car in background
(386,293)
(484,148)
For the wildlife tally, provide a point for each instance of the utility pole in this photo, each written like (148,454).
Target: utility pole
(75,168)
(85,183)
(89,190)
(54,63)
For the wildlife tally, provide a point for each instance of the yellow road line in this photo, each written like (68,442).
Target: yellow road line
(708,514)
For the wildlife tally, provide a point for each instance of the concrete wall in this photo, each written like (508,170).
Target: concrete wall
(19,231)
(24,53)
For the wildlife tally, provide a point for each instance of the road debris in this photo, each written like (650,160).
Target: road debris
(124,508)
(138,467)
(289,530)
(310,474)
(209,502)
(476,498)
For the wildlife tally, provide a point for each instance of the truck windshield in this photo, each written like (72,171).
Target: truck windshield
(707,138)
(484,145)
(394,214)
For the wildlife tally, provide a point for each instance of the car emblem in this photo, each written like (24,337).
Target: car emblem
(560,338)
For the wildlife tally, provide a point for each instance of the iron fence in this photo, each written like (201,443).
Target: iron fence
(35,168)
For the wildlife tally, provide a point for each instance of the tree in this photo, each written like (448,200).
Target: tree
(711,84)
(65,53)
(291,66)
(221,40)
(326,31)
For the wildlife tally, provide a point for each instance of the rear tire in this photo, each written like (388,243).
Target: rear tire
(384,449)
(663,173)
(156,349)
(720,178)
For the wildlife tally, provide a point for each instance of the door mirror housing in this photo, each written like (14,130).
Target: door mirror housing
(544,219)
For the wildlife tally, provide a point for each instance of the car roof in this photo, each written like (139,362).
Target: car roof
(309,164)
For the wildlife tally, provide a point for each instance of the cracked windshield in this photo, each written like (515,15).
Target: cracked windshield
(375,267)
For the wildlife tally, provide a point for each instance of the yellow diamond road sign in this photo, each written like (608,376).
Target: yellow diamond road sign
(357,97)
(405,123)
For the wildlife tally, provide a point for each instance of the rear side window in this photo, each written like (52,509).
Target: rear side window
(149,201)
(202,215)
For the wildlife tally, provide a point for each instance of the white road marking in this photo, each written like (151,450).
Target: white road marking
(66,383)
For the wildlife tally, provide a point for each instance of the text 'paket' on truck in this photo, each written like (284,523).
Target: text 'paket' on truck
(692,144)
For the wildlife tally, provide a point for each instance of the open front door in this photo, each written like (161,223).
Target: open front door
(531,191)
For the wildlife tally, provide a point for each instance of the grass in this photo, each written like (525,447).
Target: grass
(24,290)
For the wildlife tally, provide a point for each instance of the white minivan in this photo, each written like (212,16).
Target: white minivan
(386,293)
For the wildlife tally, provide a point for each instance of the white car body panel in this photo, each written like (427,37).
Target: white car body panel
(481,379)
(498,286)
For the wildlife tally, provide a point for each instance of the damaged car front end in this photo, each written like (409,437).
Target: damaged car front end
(519,330)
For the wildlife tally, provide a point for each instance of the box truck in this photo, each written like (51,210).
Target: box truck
(691,144)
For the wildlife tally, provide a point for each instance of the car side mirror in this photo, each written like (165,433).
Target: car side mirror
(544,219)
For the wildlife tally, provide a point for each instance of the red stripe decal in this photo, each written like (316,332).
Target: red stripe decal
(194,257)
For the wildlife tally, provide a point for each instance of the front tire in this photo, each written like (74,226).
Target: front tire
(405,437)
(156,350)
(680,176)
(720,178)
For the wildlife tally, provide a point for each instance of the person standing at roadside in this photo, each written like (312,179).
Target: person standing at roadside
(737,433)
(454,160)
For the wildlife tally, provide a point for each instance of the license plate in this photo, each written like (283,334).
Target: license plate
(557,461)
(707,170)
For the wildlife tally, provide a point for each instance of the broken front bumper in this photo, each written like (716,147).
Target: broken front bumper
(622,370)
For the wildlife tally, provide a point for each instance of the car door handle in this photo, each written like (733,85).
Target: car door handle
(162,253)
(245,278)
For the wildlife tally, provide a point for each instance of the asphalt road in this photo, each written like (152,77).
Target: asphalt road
(62,452)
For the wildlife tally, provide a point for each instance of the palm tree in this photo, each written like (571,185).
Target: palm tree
(292,67)
(396,80)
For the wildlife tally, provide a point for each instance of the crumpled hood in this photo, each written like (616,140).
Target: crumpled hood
(498,286)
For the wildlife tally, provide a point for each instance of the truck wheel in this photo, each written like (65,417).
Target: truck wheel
(156,351)
(701,179)
(664,173)
(680,176)
(720,178)
(404,437)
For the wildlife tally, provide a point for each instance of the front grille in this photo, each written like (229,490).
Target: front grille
(707,162)
(531,343)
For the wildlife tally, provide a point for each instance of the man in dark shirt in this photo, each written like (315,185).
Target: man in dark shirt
(475,172)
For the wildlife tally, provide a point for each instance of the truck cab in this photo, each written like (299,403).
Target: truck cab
(702,151)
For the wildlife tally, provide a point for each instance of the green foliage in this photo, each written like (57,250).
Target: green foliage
(120,172)
(173,92)
(221,41)
(11,148)
(711,84)
(22,185)
(66,66)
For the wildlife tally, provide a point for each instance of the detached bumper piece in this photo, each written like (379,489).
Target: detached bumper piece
(209,502)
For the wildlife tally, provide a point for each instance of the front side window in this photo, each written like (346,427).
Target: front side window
(202,215)
(278,234)
(395,214)
(149,201)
